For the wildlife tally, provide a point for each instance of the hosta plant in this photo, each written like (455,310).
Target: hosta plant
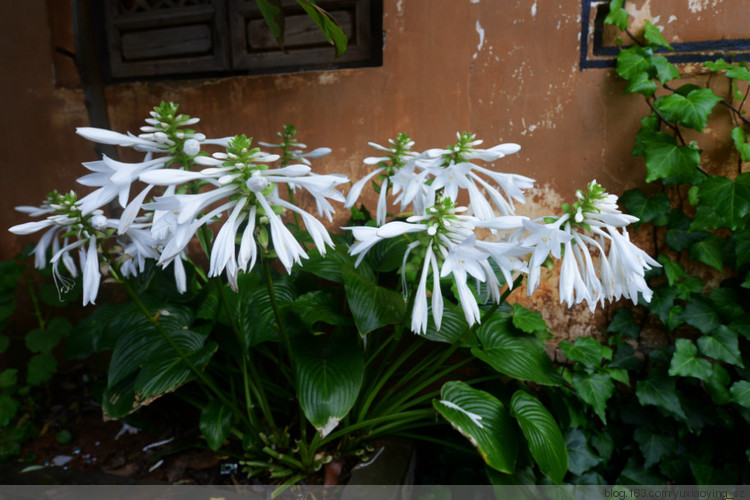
(300,343)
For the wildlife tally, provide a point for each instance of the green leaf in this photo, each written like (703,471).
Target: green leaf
(580,456)
(118,400)
(256,317)
(624,324)
(515,354)
(328,376)
(330,265)
(8,378)
(648,132)
(740,142)
(40,369)
(319,306)
(647,209)
(642,84)
(670,163)
(164,370)
(274,17)
(742,248)
(728,304)
(371,305)
(453,326)
(625,359)
(729,199)
(333,33)
(483,420)
(686,364)
(595,389)
(654,446)
(673,270)
(130,353)
(661,391)
(4,343)
(527,321)
(617,15)
(42,340)
(701,314)
(633,62)
(586,350)
(740,392)
(8,409)
(215,423)
(718,385)
(665,70)
(546,442)
(691,110)
(721,345)
(653,36)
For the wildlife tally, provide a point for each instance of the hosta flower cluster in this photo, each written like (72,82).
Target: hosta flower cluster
(184,187)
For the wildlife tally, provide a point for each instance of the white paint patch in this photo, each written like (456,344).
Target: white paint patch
(399,6)
(533,10)
(480,31)
(672,19)
(474,1)
(327,78)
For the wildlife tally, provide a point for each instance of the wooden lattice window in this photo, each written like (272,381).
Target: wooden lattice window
(179,38)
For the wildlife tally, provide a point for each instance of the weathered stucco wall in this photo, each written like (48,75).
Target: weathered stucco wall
(508,71)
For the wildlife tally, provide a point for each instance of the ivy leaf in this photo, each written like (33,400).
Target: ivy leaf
(717,385)
(686,364)
(646,208)
(730,199)
(661,391)
(580,456)
(595,389)
(8,378)
(40,368)
(642,84)
(740,142)
(721,345)
(542,433)
(689,110)
(617,16)
(483,420)
(586,350)
(742,248)
(653,36)
(624,324)
(701,314)
(670,163)
(527,321)
(662,301)
(673,270)
(654,446)
(708,251)
(634,62)
(740,392)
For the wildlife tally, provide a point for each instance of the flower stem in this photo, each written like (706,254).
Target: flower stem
(277,311)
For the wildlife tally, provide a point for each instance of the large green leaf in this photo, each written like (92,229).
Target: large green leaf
(512,353)
(740,142)
(595,389)
(546,442)
(256,318)
(164,370)
(633,62)
(689,110)
(686,364)
(319,305)
(130,353)
(371,305)
(328,373)
(483,420)
(453,327)
(215,422)
(659,390)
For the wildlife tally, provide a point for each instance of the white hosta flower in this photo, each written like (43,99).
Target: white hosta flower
(448,237)
(546,240)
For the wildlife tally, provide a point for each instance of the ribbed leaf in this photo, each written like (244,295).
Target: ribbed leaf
(215,422)
(546,442)
(165,370)
(512,353)
(371,305)
(255,315)
(483,420)
(452,327)
(328,374)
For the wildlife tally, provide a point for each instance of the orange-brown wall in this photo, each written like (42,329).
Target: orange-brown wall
(506,70)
